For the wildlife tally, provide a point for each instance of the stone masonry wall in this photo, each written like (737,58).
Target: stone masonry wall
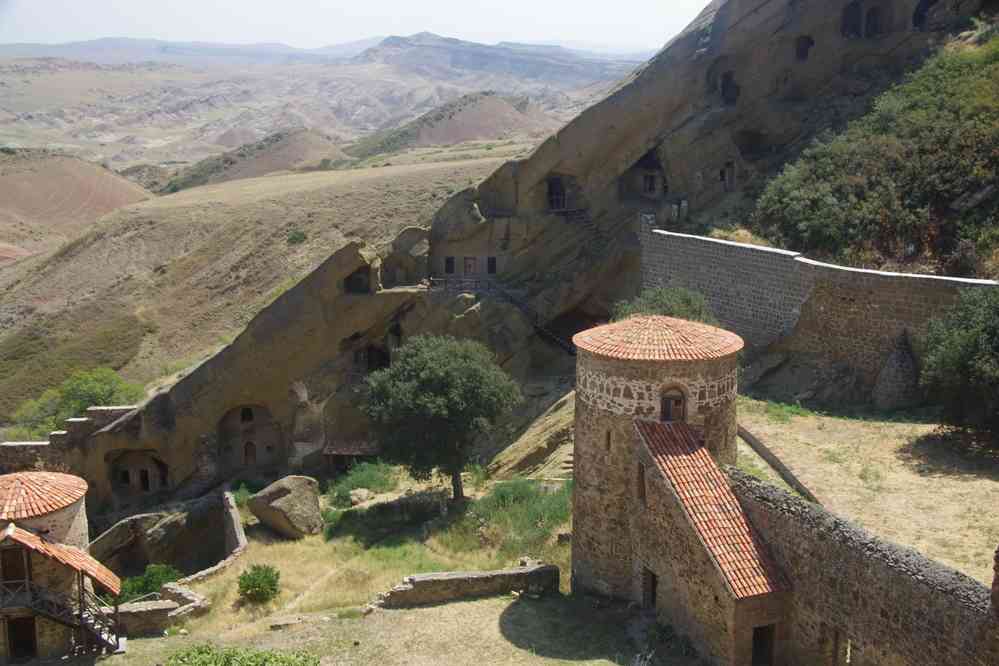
(435,588)
(834,313)
(889,604)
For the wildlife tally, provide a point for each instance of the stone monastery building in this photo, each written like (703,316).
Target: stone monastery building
(754,576)
(48,605)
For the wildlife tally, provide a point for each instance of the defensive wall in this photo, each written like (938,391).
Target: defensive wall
(837,314)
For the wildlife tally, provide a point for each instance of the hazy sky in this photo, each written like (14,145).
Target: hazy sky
(311,23)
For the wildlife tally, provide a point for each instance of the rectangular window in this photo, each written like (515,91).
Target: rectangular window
(449,265)
(649,184)
(491,265)
(125,477)
(640,485)
(144,480)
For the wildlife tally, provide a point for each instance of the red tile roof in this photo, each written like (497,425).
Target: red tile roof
(73,558)
(655,338)
(32,494)
(712,508)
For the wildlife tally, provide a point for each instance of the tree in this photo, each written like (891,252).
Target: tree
(667,301)
(429,404)
(961,367)
(82,389)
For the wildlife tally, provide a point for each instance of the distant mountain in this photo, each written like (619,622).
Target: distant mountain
(350,49)
(431,55)
(478,116)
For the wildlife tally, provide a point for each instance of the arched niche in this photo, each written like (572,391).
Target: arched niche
(248,438)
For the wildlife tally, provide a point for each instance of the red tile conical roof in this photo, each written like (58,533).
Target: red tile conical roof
(657,338)
(32,494)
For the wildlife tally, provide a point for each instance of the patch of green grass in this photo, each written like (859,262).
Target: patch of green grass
(834,456)
(213,655)
(377,477)
(478,474)
(873,477)
(349,614)
(781,412)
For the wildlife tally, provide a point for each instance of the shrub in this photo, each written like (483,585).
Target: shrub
(260,583)
(671,302)
(961,365)
(212,655)
(297,237)
(154,577)
(377,477)
(241,495)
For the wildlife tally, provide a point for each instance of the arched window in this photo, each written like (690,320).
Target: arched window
(246,414)
(673,407)
(853,20)
(249,453)
(874,24)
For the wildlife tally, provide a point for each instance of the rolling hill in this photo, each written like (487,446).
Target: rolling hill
(47,199)
(479,116)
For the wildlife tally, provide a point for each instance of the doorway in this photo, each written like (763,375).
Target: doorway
(763,645)
(21,643)
(650,589)
(14,567)
(250,454)
(471,265)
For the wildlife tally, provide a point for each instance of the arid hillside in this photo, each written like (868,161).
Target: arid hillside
(154,286)
(47,199)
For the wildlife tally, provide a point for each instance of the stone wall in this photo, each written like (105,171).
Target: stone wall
(30,457)
(436,588)
(234,538)
(835,314)
(883,603)
(146,618)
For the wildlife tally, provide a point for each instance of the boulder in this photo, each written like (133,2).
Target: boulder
(360,496)
(289,506)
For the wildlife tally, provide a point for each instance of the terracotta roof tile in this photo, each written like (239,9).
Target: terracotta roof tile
(713,510)
(655,338)
(73,558)
(32,494)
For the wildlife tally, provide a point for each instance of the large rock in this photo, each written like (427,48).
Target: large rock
(290,506)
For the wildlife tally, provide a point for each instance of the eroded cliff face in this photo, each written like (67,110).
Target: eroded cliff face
(743,89)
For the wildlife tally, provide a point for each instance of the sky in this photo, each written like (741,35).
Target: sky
(313,23)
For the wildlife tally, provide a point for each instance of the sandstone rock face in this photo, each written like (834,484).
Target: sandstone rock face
(289,506)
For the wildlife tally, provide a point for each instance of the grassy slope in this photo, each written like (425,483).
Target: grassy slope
(155,286)
(909,185)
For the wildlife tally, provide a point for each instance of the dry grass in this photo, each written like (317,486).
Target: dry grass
(902,479)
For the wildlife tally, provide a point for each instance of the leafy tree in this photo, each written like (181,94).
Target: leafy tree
(427,407)
(961,367)
(83,389)
(670,302)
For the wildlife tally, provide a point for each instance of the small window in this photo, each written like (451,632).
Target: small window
(640,485)
(853,18)
(449,265)
(125,477)
(491,265)
(730,89)
(144,480)
(803,48)
(874,24)
(649,185)
(607,442)
(673,407)
(650,589)
(246,414)
(556,194)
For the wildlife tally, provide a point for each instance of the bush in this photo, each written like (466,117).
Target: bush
(377,477)
(244,490)
(297,237)
(961,365)
(211,655)
(154,577)
(83,389)
(670,302)
(259,584)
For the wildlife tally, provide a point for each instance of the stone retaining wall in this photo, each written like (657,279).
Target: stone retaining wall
(852,591)
(146,618)
(436,588)
(235,541)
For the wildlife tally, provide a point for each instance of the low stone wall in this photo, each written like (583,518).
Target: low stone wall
(852,591)
(188,602)
(235,541)
(437,588)
(146,618)
(29,456)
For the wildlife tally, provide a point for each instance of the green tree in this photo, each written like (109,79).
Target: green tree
(667,301)
(961,367)
(427,407)
(82,389)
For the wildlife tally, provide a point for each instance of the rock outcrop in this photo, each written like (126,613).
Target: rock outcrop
(289,506)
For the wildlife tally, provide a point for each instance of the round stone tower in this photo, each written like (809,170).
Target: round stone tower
(47,503)
(651,368)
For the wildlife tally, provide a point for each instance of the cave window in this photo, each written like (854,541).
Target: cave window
(607,441)
(730,90)
(144,480)
(803,48)
(449,265)
(649,184)
(672,407)
(853,19)
(874,23)
(246,415)
(164,474)
(377,358)
(556,194)
(358,282)
(491,265)
(125,477)
(921,13)
(727,176)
